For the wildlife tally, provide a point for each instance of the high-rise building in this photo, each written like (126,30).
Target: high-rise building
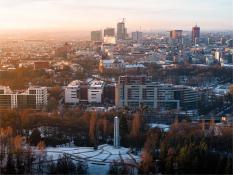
(109,32)
(195,34)
(96,35)
(121,31)
(137,36)
(176,34)
(33,98)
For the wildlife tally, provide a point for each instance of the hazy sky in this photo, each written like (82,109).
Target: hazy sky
(97,14)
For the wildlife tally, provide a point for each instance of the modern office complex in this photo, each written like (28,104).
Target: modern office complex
(82,92)
(177,97)
(134,91)
(76,92)
(33,98)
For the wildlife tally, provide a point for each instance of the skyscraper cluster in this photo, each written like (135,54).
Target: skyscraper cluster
(110,36)
(177,35)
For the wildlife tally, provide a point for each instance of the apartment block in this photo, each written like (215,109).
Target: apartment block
(33,98)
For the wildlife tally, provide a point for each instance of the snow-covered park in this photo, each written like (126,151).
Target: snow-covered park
(98,160)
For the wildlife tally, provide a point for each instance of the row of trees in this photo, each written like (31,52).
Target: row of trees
(196,75)
(17,157)
(84,128)
(65,165)
(188,149)
(21,77)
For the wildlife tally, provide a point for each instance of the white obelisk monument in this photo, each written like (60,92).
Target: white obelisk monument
(116,132)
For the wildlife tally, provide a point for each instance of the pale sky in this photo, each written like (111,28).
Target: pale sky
(98,14)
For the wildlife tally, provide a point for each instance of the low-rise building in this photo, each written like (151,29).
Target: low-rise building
(84,92)
(95,91)
(72,92)
(134,91)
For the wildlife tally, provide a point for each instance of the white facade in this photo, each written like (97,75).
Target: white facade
(95,91)
(71,92)
(217,55)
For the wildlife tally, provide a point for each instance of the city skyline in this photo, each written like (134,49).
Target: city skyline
(91,15)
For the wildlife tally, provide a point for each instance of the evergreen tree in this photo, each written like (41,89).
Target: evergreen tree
(35,137)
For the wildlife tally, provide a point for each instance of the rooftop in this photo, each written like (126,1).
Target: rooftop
(98,160)
(96,84)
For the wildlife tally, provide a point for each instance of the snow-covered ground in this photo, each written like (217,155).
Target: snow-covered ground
(164,127)
(98,160)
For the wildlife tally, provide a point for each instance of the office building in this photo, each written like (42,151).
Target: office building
(137,36)
(121,31)
(195,34)
(84,92)
(76,92)
(133,91)
(95,91)
(176,34)
(33,98)
(177,97)
(96,35)
(109,32)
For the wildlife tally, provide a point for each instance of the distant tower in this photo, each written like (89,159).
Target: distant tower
(96,35)
(195,34)
(116,132)
(176,34)
(121,30)
(109,32)
(137,36)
